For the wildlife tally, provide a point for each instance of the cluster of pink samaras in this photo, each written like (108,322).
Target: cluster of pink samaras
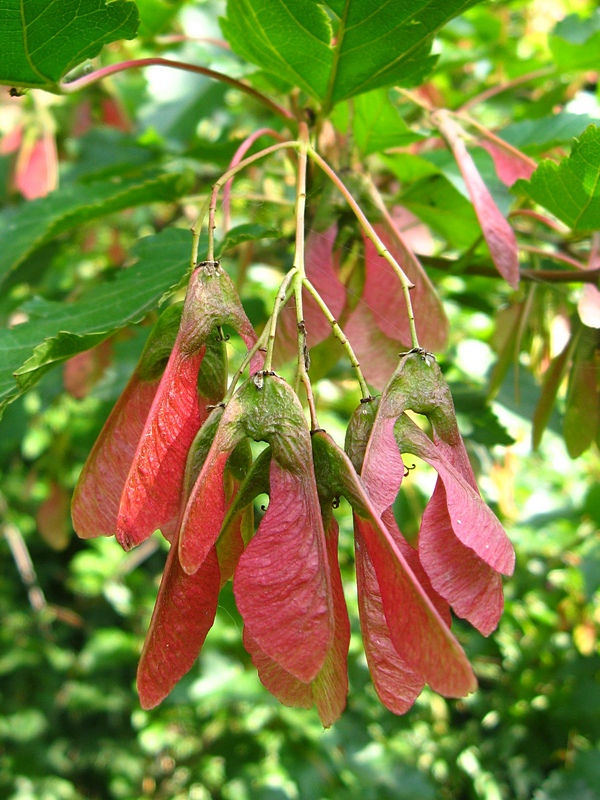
(172,457)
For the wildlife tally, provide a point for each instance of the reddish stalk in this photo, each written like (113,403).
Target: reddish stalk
(238,156)
(112,69)
(504,87)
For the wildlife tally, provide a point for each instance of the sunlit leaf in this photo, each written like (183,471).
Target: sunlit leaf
(360,49)
(571,188)
(41,41)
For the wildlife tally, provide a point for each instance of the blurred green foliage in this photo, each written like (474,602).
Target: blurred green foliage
(70,723)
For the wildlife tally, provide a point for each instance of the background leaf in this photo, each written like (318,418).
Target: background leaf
(570,189)
(575,42)
(28,226)
(41,41)
(535,135)
(376,123)
(33,347)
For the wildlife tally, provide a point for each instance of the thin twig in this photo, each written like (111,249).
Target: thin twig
(212,207)
(340,335)
(237,157)
(156,61)
(549,223)
(24,564)
(541,275)
(372,235)
(504,87)
(553,255)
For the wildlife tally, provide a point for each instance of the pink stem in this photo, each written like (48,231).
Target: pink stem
(553,255)
(93,77)
(504,87)
(550,223)
(239,155)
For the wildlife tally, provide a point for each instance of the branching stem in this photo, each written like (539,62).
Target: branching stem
(285,291)
(372,235)
(341,336)
(212,206)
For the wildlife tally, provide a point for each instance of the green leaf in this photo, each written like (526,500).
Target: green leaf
(376,123)
(575,42)
(583,396)
(57,331)
(384,43)
(571,188)
(40,41)
(289,39)
(535,135)
(370,44)
(28,226)
(247,232)
(103,152)
(156,15)
(440,205)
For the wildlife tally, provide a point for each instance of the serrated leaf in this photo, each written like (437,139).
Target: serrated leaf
(57,331)
(41,41)
(571,188)
(288,39)
(25,228)
(380,44)
(370,45)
